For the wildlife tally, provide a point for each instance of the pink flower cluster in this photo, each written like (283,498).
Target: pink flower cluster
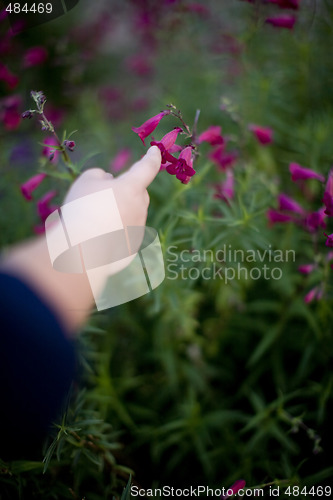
(43,205)
(181,167)
(290,210)
(286,21)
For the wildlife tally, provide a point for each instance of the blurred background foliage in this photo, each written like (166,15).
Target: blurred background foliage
(201,381)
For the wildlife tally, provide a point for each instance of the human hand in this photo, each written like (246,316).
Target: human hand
(130,188)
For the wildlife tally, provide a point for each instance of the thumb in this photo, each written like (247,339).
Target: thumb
(144,171)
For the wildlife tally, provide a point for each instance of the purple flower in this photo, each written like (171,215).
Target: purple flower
(301,173)
(287,203)
(221,158)
(315,220)
(238,485)
(183,168)
(43,207)
(328,195)
(274,216)
(282,21)
(34,56)
(212,135)
(48,150)
(329,241)
(31,184)
(285,4)
(225,190)
(315,293)
(166,143)
(70,145)
(149,126)
(264,135)
(120,160)
(306,268)
(9,78)
(328,202)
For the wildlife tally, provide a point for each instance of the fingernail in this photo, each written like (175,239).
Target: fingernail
(151,150)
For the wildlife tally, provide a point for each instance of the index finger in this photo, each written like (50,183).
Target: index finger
(144,171)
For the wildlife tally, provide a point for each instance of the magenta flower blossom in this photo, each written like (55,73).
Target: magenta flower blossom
(167,142)
(48,151)
(328,195)
(274,216)
(285,4)
(35,56)
(11,119)
(31,184)
(225,191)
(212,135)
(264,135)
(315,293)
(121,159)
(43,205)
(287,203)
(9,111)
(329,241)
(238,485)
(223,159)
(328,202)
(8,77)
(149,126)
(301,173)
(282,21)
(70,145)
(306,268)
(183,168)
(315,220)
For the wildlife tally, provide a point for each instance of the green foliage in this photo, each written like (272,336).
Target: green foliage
(203,381)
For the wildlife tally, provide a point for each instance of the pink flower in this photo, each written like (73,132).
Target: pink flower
(212,135)
(328,202)
(238,485)
(149,126)
(120,160)
(225,191)
(329,241)
(35,56)
(264,135)
(283,21)
(9,78)
(287,203)
(285,4)
(301,173)
(328,195)
(139,65)
(43,207)
(315,293)
(167,142)
(315,220)
(274,216)
(221,158)
(183,168)
(306,268)
(11,119)
(31,184)
(48,150)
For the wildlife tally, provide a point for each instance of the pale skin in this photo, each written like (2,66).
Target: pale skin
(69,295)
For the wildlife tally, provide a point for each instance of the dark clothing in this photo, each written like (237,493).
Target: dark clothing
(37,364)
